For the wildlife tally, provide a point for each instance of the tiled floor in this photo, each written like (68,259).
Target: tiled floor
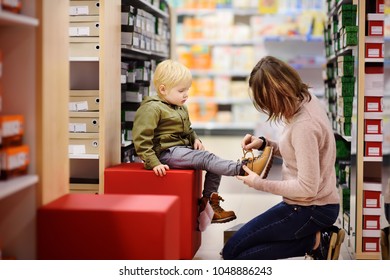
(246,202)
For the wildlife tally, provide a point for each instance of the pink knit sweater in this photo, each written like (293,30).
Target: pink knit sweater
(308,149)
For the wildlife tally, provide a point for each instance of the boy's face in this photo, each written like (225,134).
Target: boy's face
(177,95)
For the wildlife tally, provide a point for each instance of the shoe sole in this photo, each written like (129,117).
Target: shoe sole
(332,245)
(337,246)
(225,220)
(268,165)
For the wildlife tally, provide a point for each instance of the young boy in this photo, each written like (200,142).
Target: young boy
(163,138)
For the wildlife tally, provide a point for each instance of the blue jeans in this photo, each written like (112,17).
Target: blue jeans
(283,231)
(182,157)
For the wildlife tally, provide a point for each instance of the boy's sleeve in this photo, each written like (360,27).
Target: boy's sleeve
(193,134)
(145,122)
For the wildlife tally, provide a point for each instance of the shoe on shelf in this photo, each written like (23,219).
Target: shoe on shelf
(261,164)
(220,215)
(385,243)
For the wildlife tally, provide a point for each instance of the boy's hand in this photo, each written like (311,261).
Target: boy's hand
(198,145)
(160,170)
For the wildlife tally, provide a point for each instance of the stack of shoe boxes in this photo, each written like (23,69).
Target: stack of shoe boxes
(373,135)
(83,101)
(14,155)
(84,96)
(145,41)
(340,37)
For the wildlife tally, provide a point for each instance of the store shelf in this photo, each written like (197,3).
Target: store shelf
(86,58)
(83,156)
(147,7)
(235,10)
(284,39)
(16,184)
(8,18)
(135,53)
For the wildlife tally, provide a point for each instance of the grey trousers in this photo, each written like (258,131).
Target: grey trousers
(181,157)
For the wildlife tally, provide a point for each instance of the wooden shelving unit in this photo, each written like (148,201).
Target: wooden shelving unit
(101,72)
(32,42)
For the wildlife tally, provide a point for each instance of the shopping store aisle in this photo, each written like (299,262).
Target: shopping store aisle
(244,201)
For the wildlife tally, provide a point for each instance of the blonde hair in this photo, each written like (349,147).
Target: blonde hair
(171,73)
(277,89)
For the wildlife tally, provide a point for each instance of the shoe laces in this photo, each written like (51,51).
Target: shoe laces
(215,204)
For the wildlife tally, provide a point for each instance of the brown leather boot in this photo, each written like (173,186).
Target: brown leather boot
(220,215)
(261,164)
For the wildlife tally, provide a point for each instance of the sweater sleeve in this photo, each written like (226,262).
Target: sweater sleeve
(145,122)
(302,180)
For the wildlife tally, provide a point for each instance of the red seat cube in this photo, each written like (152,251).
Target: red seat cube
(109,227)
(133,178)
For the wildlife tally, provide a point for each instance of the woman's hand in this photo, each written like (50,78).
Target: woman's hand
(250,178)
(160,170)
(250,142)
(198,145)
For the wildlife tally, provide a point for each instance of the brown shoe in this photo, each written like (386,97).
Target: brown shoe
(261,164)
(220,215)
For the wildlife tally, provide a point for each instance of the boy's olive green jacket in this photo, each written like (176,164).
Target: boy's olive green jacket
(158,126)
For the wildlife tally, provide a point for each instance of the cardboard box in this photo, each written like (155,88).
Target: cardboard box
(371,199)
(85,8)
(373,104)
(11,130)
(373,149)
(84,28)
(84,122)
(374,47)
(375,24)
(84,100)
(84,143)
(372,126)
(14,161)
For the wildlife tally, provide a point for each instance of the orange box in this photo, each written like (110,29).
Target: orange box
(14,6)
(14,161)
(11,130)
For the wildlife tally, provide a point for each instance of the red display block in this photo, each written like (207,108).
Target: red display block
(372,126)
(373,149)
(374,47)
(375,24)
(373,104)
(371,222)
(109,227)
(371,199)
(133,178)
(370,244)
(380,6)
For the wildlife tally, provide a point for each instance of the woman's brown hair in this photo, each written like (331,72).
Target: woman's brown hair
(277,89)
